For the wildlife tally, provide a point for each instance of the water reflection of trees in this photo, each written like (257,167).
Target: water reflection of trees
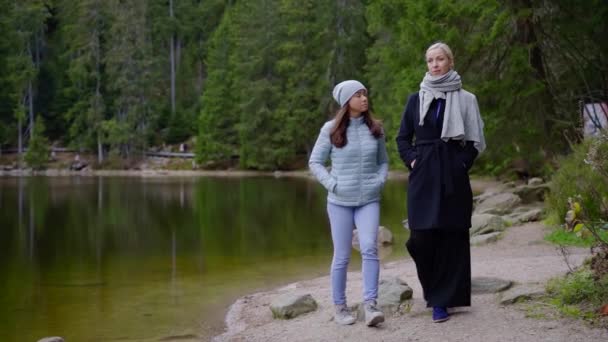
(225,217)
(111,235)
(260,221)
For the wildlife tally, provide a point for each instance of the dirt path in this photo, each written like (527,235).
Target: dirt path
(521,256)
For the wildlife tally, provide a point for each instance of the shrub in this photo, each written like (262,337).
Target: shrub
(37,154)
(579,294)
(578,287)
(582,177)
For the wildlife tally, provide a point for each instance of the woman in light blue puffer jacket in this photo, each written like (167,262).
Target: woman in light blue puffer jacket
(355,144)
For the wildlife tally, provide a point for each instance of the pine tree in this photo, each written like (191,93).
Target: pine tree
(130,69)
(83,23)
(257,82)
(301,66)
(218,138)
(27,18)
(6,111)
(38,150)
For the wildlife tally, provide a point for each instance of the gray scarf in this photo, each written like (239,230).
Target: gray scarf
(457,125)
(436,87)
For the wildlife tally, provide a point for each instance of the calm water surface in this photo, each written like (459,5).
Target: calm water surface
(138,259)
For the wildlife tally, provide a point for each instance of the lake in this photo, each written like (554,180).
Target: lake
(138,259)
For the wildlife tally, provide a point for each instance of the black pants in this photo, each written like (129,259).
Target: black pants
(443,262)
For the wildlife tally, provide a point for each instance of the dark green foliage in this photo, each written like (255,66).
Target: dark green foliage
(271,71)
(5,133)
(85,24)
(37,154)
(218,137)
(582,181)
(253,79)
(179,127)
(528,88)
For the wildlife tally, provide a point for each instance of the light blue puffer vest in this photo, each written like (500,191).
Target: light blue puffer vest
(358,170)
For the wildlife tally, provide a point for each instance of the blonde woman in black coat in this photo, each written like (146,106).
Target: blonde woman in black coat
(440,136)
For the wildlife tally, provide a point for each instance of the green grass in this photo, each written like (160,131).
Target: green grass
(561,237)
(579,295)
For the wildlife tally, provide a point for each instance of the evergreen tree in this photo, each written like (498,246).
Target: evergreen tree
(6,111)
(253,79)
(130,68)
(403,30)
(218,138)
(256,80)
(180,33)
(302,63)
(83,23)
(27,19)
(38,150)
(348,41)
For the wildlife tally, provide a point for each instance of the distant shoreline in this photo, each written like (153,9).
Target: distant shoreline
(477,182)
(153,173)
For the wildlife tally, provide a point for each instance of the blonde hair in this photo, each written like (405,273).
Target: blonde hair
(445,48)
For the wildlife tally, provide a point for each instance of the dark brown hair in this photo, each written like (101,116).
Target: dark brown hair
(342,119)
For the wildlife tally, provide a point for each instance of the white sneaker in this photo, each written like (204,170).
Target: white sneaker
(373,316)
(343,315)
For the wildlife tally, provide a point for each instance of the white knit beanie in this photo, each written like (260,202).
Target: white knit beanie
(343,91)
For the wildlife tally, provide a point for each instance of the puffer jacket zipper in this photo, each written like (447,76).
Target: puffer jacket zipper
(360,163)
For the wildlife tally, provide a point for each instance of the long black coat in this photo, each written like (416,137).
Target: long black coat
(439,194)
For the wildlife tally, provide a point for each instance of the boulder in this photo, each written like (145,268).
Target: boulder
(481,285)
(392,294)
(487,194)
(499,204)
(393,291)
(77,166)
(385,238)
(535,181)
(484,238)
(291,305)
(9,167)
(51,339)
(521,293)
(531,193)
(486,223)
(525,214)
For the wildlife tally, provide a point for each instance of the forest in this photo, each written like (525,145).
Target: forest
(247,84)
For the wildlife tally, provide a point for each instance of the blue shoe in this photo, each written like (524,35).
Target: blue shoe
(440,314)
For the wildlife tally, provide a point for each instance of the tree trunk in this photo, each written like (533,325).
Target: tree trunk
(30,95)
(178,53)
(19,143)
(172,57)
(526,36)
(201,71)
(30,90)
(99,149)
(98,112)
(199,79)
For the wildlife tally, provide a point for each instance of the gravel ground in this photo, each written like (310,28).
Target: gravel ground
(521,256)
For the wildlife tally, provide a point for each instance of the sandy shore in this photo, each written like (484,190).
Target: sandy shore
(521,256)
